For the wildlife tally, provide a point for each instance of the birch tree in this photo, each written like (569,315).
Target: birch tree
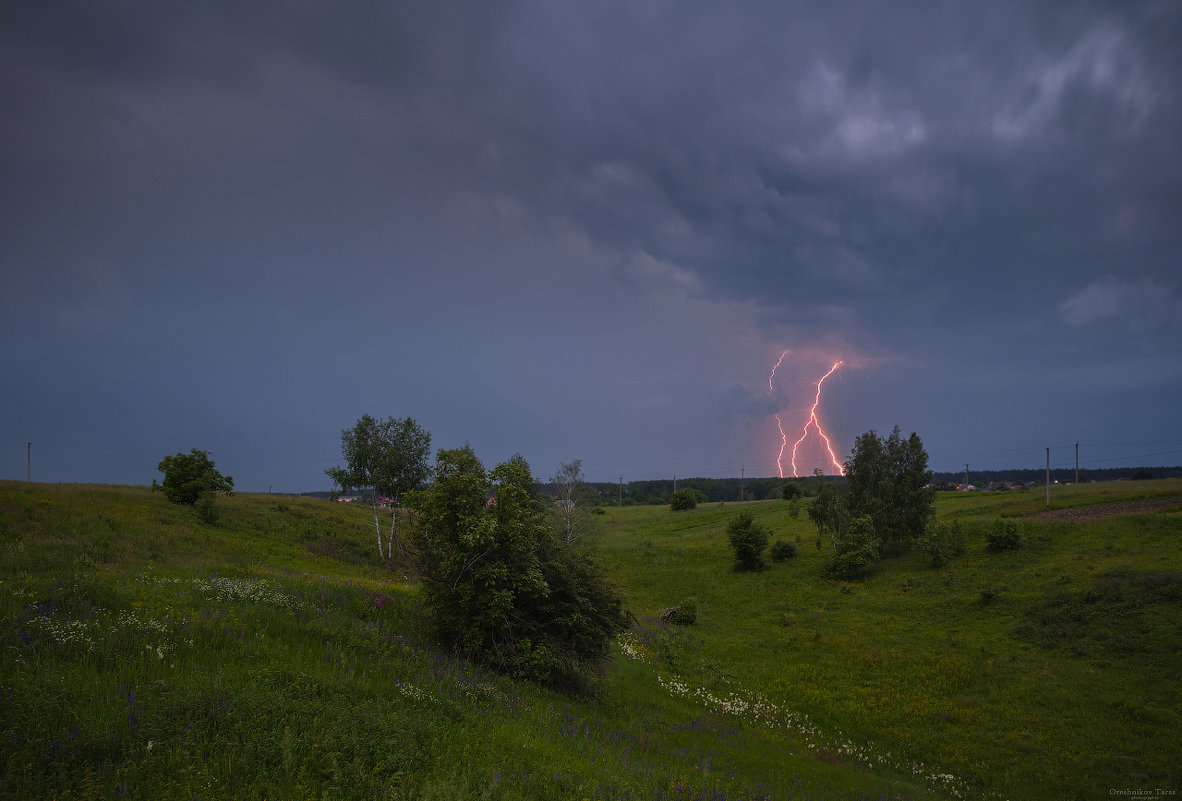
(383,459)
(571,519)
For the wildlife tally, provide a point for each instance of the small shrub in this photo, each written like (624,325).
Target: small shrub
(941,542)
(991,595)
(1003,535)
(782,550)
(684,614)
(794,508)
(748,539)
(683,500)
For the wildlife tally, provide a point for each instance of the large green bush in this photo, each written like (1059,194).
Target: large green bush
(748,539)
(502,587)
(685,499)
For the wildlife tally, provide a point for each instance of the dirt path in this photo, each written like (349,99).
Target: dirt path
(1099,511)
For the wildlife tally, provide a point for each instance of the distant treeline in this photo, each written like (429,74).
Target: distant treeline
(716,490)
(758,489)
(986,478)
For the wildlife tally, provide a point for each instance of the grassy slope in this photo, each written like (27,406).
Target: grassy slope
(1052,671)
(143,654)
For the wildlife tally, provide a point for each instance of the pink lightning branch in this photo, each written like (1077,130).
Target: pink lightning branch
(813,422)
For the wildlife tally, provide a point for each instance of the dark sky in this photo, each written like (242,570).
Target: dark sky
(588,230)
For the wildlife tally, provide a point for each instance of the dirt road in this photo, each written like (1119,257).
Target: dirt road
(1099,511)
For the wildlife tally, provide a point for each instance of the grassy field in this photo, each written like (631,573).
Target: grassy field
(273,655)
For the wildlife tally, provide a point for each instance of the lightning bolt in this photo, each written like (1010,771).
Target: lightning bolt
(783,436)
(814,421)
(783,445)
(775,367)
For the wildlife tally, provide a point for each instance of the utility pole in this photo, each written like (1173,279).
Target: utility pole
(675,483)
(621,491)
(29,462)
(966,475)
(1048,477)
(742,480)
(1077,463)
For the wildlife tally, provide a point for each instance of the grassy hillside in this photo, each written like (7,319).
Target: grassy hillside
(273,655)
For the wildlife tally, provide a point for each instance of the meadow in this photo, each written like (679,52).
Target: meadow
(144,654)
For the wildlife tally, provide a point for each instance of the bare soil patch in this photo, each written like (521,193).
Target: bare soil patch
(1099,511)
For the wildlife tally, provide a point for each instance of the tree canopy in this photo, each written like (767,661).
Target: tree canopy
(888,481)
(383,458)
(190,476)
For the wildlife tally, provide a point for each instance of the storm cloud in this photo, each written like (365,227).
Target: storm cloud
(586,231)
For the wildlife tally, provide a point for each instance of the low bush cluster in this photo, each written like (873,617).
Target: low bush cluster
(941,542)
(1003,535)
(685,499)
(683,614)
(783,549)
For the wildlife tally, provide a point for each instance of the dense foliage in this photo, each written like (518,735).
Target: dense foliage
(683,614)
(504,589)
(855,552)
(1003,535)
(829,511)
(783,549)
(192,477)
(748,539)
(941,542)
(684,500)
(888,481)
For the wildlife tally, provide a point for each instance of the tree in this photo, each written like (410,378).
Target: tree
(384,459)
(504,588)
(190,477)
(829,511)
(748,539)
(889,482)
(571,517)
(791,491)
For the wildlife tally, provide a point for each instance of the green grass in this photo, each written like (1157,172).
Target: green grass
(274,655)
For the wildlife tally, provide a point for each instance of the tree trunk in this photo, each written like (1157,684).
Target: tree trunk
(377,521)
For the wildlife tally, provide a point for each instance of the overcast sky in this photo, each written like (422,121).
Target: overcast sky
(588,230)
